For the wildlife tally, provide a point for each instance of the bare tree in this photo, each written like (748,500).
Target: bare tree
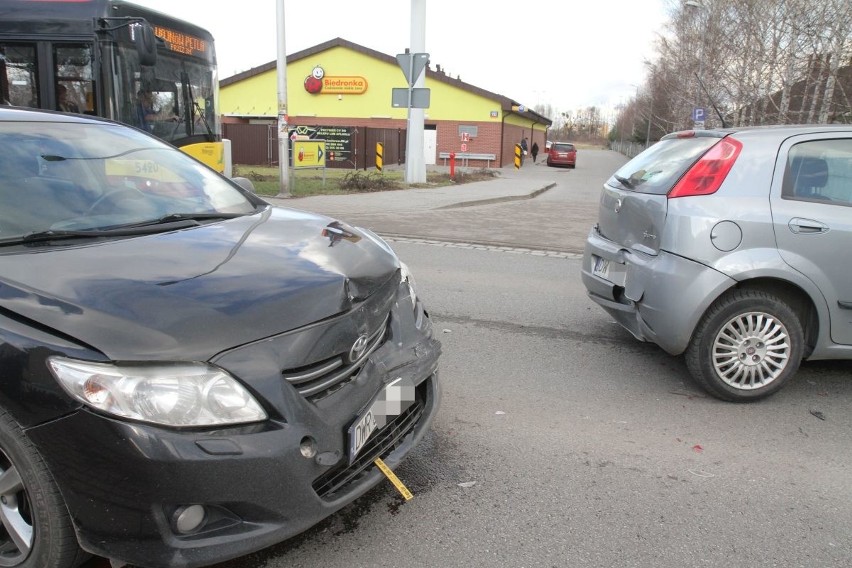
(746,62)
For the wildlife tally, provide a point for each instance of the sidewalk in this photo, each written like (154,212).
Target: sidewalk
(510,185)
(447,214)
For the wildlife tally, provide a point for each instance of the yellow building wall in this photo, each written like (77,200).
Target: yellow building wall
(517,120)
(258,95)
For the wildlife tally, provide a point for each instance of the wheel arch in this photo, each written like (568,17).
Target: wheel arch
(766,270)
(799,300)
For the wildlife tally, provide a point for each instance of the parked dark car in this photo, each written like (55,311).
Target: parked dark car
(731,247)
(189,374)
(562,154)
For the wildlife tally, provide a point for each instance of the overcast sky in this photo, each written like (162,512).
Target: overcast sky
(569,54)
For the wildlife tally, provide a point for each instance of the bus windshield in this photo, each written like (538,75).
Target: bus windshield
(174,99)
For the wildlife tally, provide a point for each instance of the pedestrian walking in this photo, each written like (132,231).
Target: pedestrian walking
(534,150)
(524,149)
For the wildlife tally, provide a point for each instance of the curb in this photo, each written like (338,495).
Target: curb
(491,200)
(566,252)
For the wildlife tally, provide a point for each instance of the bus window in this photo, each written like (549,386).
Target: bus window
(73,78)
(85,54)
(19,83)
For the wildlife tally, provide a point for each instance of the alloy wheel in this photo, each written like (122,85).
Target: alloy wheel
(751,350)
(16,533)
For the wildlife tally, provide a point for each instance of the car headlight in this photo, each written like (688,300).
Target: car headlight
(179,394)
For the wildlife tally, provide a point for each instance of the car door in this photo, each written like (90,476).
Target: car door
(812,212)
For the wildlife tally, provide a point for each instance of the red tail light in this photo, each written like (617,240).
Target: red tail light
(707,175)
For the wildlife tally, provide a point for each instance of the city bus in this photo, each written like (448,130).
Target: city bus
(116,60)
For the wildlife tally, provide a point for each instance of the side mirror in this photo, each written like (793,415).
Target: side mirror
(146,43)
(244,183)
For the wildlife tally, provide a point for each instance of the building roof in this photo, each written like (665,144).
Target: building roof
(507,104)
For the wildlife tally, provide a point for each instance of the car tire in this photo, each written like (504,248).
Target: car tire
(36,531)
(746,346)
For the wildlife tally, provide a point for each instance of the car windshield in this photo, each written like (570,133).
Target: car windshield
(658,168)
(562,147)
(63,177)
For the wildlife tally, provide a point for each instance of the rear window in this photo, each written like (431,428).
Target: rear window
(657,169)
(562,148)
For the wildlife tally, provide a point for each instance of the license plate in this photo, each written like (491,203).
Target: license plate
(392,401)
(601,267)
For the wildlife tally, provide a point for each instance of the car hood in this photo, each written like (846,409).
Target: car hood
(192,293)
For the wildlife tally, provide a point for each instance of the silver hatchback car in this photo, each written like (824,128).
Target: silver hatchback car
(733,247)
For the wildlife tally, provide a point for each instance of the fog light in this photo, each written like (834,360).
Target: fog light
(189,518)
(308,447)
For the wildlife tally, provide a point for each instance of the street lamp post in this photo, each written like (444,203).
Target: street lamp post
(650,103)
(697,104)
(650,117)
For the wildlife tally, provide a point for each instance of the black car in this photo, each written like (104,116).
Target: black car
(188,373)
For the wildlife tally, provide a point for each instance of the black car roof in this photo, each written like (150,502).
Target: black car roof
(18,114)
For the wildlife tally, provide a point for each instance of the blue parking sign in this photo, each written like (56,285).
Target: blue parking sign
(698,114)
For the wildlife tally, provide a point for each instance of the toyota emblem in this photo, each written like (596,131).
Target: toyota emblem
(358,348)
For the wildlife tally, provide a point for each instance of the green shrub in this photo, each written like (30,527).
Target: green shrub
(357,181)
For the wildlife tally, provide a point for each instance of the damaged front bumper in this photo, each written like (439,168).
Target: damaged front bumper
(128,486)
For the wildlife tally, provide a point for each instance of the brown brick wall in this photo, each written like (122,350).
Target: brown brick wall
(344,121)
(487,140)
(492,137)
(514,134)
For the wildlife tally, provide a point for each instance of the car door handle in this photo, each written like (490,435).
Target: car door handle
(801,226)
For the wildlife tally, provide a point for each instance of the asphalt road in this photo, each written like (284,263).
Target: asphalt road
(562,441)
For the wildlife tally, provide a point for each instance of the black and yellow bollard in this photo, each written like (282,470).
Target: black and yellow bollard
(518,156)
(380,155)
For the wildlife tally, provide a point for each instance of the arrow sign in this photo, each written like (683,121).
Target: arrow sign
(412,65)
(319,153)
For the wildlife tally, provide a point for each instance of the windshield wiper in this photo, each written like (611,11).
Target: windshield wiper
(51,235)
(122,231)
(173,220)
(196,216)
(624,181)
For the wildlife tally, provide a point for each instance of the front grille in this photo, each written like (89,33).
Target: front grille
(381,445)
(322,378)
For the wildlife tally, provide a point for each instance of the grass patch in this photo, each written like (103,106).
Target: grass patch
(337,181)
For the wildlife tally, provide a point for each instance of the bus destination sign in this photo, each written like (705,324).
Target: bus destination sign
(182,42)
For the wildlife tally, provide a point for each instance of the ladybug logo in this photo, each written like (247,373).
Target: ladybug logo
(313,82)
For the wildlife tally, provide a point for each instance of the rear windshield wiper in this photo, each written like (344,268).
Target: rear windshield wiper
(624,181)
